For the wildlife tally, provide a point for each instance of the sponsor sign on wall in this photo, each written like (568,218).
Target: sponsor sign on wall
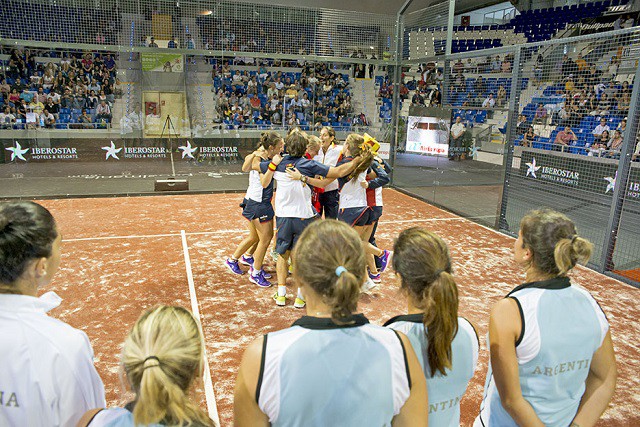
(583,173)
(112,150)
(163,62)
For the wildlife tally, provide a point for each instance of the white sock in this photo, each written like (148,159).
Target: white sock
(300,294)
(282,290)
(254,272)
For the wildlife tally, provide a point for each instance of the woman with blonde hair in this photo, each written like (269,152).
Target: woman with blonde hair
(162,356)
(552,360)
(332,367)
(447,345)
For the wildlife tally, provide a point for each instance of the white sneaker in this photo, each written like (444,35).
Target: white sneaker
(368,284)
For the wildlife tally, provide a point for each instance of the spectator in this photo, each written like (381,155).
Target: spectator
(162,360)
(103,112)
(330,263)
(291,92)
(522,125)
(457,151)
(529,137)
(496,65)
(48,376)
(153,43)
(540,116)
(489,102)
(36,106)
(85,120)
(14,98)
(417,99)
(622,126)
(581,64)
(91,102)
(172,43)
(564,138)
(501,99)
(191,44)
(7,119)
(47,119)
(480,87)
(569,86)
(52,107)
(616,142)
(5,89)
(600,144)
(506,66)
(601,128)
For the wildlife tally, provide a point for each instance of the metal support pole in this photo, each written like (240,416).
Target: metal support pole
(622,176)
(452,12)
(397,77)
(514,106)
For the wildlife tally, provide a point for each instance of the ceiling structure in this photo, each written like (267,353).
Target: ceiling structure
(386,7)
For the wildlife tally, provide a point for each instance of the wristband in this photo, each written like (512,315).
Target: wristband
(272,167)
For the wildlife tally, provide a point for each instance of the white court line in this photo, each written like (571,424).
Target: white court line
(208,386)
(242,230)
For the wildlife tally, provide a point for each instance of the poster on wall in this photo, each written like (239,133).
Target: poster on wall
(162,62)
(428,130)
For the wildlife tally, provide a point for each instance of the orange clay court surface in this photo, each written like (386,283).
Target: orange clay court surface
(123,255)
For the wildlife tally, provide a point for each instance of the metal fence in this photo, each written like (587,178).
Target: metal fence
(476,119)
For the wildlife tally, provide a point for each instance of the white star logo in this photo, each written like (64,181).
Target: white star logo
(612,182)
(112,151)
(532,168)
(187,150)
(17,152)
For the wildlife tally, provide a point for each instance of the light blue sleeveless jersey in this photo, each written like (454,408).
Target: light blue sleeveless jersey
(316,373)
(115,417)
(562,326)
(445,392)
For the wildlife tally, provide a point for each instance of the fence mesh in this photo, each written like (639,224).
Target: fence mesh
(490,131)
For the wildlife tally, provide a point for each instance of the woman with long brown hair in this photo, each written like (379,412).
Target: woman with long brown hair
(447,345)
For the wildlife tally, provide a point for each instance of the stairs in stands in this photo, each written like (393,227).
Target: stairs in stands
(497,122)
(363,97)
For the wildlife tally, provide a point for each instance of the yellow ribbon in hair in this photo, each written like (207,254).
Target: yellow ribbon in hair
(371,142)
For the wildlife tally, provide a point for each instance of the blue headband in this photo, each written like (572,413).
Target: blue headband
(340,270)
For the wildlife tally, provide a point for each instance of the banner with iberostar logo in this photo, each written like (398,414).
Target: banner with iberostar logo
(585,173)
(226,150)
(23,152)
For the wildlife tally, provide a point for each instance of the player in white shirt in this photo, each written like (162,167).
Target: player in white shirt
(294,211)
(257,209)
(162,358)
(354,208)
(47,376)
(328,155)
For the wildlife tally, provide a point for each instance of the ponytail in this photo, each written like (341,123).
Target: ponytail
(159,397)
(329,258)
(357,147)
(343,299)
(441,321)
(552,238)
(161,356)
(570,251)
(422,261)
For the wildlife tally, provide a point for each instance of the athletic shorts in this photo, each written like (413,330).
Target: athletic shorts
(258,210)
(356,216)
(287,232)
(376,213)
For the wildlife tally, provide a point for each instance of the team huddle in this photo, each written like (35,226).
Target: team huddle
(315,177)
(551,356)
